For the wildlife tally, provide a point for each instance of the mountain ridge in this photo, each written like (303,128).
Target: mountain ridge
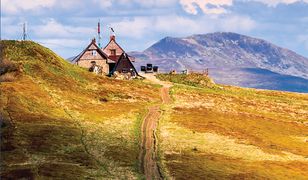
(222,50)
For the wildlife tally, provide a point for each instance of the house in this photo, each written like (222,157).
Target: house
(92,56)
(113,49)
(109,60)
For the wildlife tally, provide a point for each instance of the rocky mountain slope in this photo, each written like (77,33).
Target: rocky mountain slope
(222,52)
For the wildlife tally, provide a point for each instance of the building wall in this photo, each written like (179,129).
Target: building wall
(88,57)
(112,45)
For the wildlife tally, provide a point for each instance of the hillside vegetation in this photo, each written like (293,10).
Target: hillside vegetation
(59,121)
(233,133)
(192,79)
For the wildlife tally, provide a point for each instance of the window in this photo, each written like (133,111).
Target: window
(112,52)
(94,53)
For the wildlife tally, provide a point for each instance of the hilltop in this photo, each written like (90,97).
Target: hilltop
(230,54)
(60,121)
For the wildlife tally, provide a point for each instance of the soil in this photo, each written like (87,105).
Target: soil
(148,154)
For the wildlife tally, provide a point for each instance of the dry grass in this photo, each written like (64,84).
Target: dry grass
(60,121)
(6,66)
(235,133)
(8,77)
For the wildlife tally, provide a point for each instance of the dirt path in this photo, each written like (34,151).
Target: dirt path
(148,154)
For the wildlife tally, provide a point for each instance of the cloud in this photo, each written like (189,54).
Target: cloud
(219,6)
(132,3)
(274,3)
(21,6)
(207,6)
(14,6)
(190,6)
(175,25)
(134,28)
(303,39)
(53,29)
(104,3)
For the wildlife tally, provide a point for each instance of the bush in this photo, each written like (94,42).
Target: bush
(7,66)
(8,77)
(193,79)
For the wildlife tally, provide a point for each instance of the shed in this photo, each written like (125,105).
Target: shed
(124,65)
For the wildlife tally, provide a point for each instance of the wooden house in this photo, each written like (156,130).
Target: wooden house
(92,56)
(125,66)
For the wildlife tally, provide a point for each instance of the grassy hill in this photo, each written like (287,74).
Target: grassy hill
(59,121)
(225,132)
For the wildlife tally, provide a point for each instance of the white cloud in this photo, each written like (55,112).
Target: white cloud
(135,28)
(237,24)
(128,3)
(207,6)
(154,3)
(51,28)
(21,6)
(174,25)
(303,39)
(13,6)
(273,3)
(104,3)
(219,6)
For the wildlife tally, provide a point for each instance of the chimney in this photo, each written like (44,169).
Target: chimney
(112,37)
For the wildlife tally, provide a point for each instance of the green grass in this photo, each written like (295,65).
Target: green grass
(193,79)
(60,121)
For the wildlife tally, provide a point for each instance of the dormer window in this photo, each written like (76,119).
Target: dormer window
(94,53)
(112,52)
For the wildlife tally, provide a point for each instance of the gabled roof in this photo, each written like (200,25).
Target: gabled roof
(77,58)
(113,39)
(124,55)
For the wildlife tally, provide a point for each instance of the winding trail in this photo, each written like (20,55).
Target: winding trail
(148,153)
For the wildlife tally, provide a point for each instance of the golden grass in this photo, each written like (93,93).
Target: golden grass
(60,121)
(235,133)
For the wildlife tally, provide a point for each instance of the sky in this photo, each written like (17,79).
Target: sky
(67,26)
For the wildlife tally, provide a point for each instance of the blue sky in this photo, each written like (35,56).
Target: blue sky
(67,26)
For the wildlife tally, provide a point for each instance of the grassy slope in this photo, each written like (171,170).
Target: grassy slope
(59,121)
(234,133)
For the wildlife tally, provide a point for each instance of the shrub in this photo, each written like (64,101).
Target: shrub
(193,79)
(7,77)
(7,66)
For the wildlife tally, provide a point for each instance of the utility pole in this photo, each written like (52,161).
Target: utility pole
(24,31)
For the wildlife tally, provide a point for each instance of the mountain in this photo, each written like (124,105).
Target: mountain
(221,51)
(259,78)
